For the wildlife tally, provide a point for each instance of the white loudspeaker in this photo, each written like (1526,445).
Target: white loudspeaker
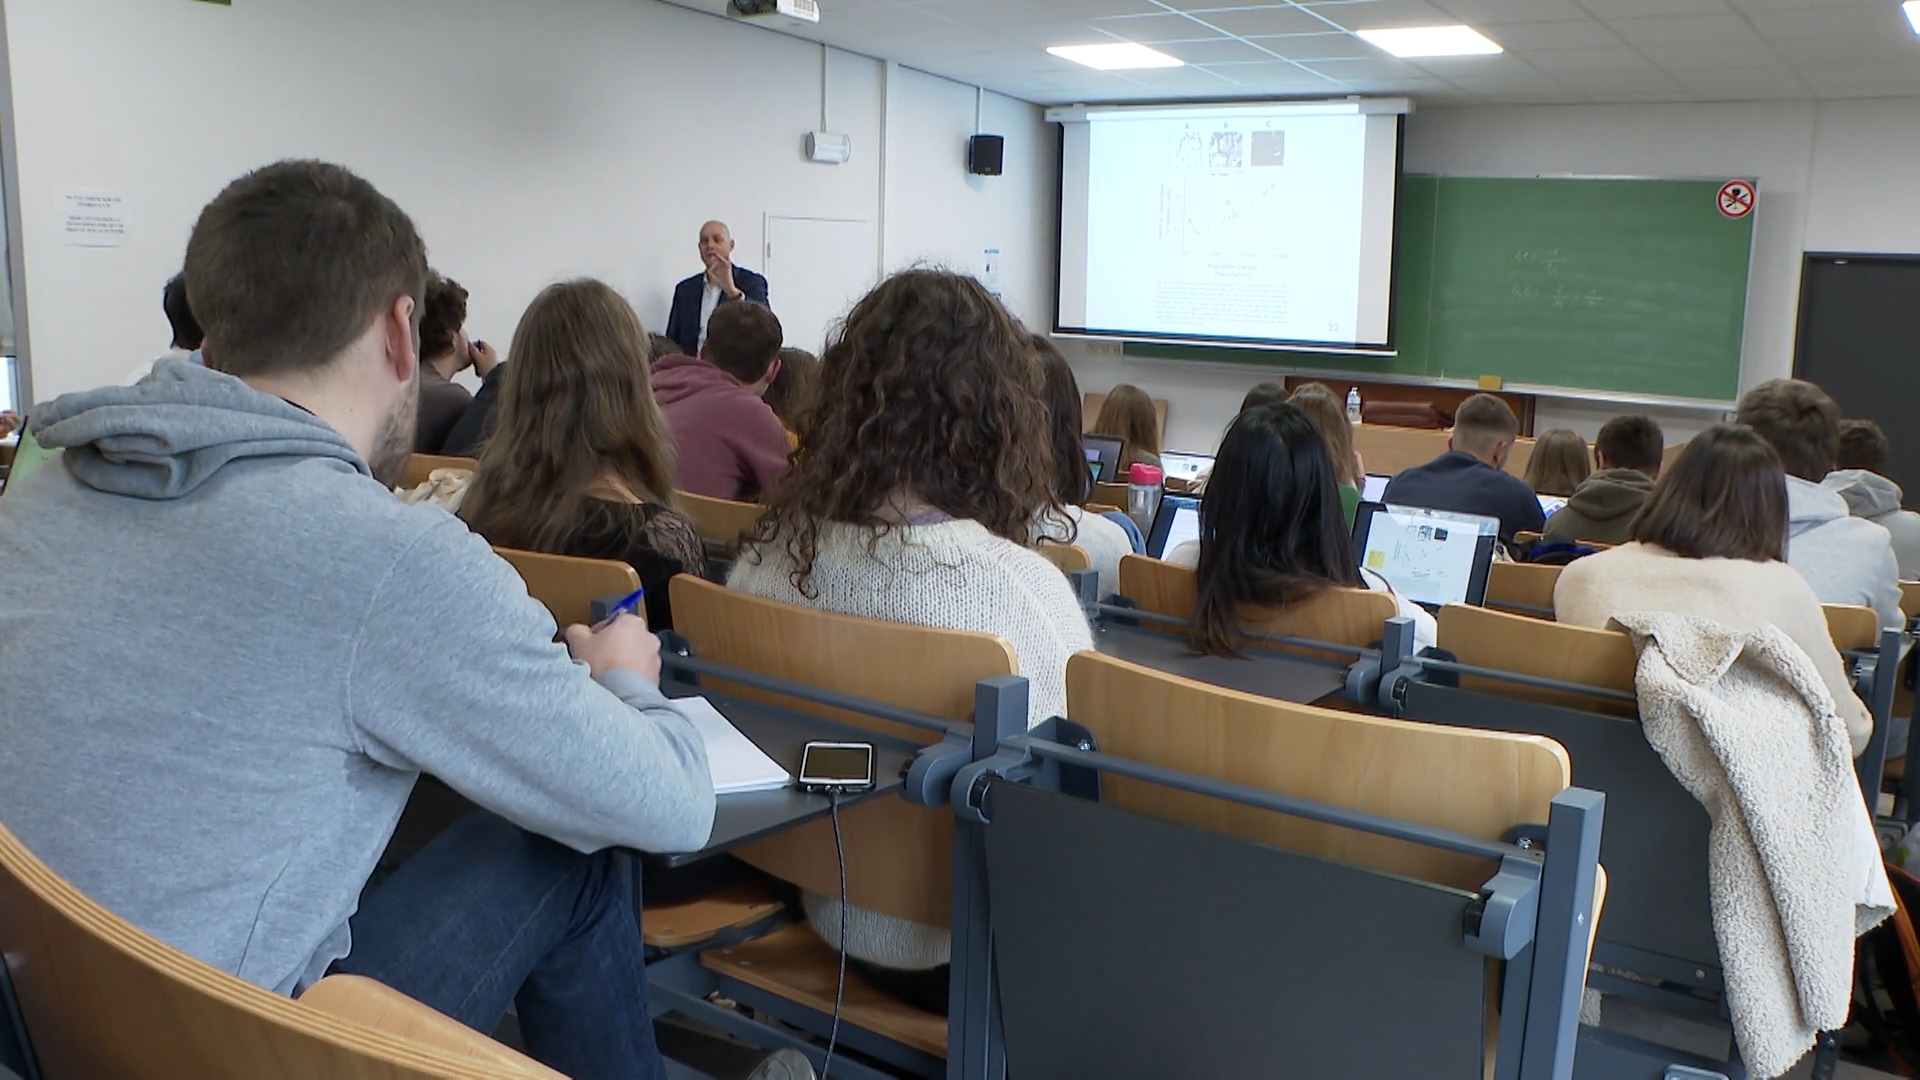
(829,148)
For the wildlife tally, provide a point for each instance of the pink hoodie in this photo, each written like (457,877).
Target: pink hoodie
(730,444)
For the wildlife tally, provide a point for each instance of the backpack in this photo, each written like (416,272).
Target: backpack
(1886,1001)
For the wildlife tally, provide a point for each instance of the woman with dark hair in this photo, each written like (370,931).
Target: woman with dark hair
(580,461)
(1272,532)
(1709,542)
(1128,415)
(445,352)
(912,499)
(1560,462)
(1105,542)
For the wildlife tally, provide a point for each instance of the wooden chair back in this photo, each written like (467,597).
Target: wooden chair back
(1355,617)
(1548,650)
(720,521)
(1477,782)
(1108,494)
(1389,450)
(421,466)
(1910,598)
(101,999)
(899,856)
(1852,627)
(569,586)
(1528,585)
(1068,557)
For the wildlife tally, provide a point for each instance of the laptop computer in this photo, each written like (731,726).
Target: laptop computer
(1373,488)
(1181,465)
(1103,458)
(1550,504)
(1431,557)
(1176,522)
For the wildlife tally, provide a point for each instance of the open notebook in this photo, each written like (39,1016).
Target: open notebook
(735,763)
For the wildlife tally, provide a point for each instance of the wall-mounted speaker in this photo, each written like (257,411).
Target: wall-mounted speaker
(986,154)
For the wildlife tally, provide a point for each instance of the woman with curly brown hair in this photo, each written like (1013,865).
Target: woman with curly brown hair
(912,499)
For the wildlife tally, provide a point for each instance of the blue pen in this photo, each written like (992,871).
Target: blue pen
(629,606)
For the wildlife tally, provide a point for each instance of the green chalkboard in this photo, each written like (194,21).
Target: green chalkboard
(1631,286)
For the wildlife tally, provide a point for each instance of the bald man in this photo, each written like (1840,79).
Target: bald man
(723,283)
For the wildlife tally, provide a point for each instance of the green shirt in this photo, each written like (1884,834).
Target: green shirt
(1349,503)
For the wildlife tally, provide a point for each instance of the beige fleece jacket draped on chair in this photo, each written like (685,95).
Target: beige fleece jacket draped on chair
(1746,724)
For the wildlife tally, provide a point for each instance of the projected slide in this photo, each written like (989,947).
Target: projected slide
(1259,224)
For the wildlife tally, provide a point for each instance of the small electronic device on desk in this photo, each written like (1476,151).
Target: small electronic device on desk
(836,766)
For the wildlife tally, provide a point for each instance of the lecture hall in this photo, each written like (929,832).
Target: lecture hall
(965,539)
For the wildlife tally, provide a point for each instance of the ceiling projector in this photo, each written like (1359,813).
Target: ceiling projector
(805,12)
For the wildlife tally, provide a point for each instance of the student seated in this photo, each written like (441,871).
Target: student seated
(1628,451)
(1559,463)
(229,657)
(1846,559)
(1128,415)
(912,499)
(792,395)
(1271,530)
(1470,478)
(730,444)
(187,335)
(580,463)
(1329,418)
(1708,543)
(444,353)
(1266,393)
(1065,520)
(1860,478)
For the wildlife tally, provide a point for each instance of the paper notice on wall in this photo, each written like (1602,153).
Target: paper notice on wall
(93,218)
(990,271)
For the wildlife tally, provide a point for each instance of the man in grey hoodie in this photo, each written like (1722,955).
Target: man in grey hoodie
(229,652)
(1846,559)
(1860,478)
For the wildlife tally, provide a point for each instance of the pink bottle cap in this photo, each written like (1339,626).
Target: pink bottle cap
(1144,474)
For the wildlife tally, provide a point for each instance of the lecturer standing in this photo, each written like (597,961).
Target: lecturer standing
(723,283)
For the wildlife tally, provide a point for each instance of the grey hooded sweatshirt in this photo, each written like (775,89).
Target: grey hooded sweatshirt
(1876,498)
(1847,560)
(228,653)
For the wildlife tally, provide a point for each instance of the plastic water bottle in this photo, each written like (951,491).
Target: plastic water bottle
(1353,405)
(1143,494)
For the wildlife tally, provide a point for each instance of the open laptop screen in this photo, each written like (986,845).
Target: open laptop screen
(1180,465)
(1551,504)
(1103,458)
(1374,488)
(1176,522)
(1429,556)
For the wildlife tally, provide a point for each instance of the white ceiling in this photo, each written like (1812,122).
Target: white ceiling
(1558,51)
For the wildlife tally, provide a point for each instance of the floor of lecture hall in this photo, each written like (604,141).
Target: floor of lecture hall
(1641,1022)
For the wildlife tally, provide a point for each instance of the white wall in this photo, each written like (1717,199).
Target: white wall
(1832,176)
(530,140)
(937,211)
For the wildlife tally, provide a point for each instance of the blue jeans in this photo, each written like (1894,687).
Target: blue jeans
(489,914)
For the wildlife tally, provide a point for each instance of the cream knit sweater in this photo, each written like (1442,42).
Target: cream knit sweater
(1738,592)
(954,576)
(1104,542)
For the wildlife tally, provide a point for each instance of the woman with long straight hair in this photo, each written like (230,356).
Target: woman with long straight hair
(1711,541)
(1272,532)
(580,461)
(1329,417)
(1105,542)
(1559,464)
(1128,415)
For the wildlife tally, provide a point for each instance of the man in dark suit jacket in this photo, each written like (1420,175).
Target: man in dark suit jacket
(723,283)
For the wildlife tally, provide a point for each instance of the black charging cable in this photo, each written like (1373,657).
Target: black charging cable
(840,988)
